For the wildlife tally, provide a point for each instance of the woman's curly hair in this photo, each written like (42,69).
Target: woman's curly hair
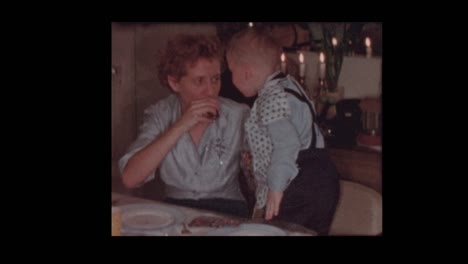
(184,51)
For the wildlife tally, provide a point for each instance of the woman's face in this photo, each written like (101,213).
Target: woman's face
(202,80)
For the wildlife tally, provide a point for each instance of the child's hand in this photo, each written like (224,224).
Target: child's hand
(273,204)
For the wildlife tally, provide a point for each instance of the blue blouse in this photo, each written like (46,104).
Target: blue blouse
(209,170)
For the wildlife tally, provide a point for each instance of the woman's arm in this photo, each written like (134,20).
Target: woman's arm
(140,166)
(148,159)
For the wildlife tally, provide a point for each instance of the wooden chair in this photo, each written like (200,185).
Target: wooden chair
(359,211)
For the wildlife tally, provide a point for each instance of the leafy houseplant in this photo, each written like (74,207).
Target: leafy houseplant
(346,35)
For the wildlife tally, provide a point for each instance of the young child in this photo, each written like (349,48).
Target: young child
(296,181)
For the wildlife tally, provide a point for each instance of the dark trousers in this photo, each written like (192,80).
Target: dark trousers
(225,206)
(311,198)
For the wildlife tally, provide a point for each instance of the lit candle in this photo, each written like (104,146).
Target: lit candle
(334,42)
(283,63)
(301,65)
(368,48)
(322,66)
(250,24)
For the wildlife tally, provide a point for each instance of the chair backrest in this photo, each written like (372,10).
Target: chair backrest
(359,211)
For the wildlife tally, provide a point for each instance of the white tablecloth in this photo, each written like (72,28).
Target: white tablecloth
(190,213)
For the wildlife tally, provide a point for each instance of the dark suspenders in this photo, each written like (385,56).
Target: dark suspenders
(302,98)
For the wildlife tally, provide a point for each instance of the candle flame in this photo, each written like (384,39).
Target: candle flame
(250,24)
(368,42)
(334,41)
(322,57)
(283,58)
(301,57)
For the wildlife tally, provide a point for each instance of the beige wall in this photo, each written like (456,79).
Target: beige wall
(123,93)
(135,84)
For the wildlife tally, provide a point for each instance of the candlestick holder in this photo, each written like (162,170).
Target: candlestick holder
(319,91)
(302,82)
(324,100)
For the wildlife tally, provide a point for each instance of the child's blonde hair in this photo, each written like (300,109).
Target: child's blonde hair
(254,46)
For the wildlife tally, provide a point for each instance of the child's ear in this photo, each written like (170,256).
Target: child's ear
(173,83)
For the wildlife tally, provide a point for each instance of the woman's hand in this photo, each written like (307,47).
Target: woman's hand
(273,204)
(199,111)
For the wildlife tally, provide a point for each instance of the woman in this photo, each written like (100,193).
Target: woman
(192,136)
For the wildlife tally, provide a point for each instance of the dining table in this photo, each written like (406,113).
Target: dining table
(183,219)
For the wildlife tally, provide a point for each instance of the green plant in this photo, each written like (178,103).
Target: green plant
(346,35)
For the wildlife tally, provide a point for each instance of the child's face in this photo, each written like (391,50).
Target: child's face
(241,78)
(201,81)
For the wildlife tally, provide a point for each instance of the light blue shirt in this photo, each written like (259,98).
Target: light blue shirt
(209,170)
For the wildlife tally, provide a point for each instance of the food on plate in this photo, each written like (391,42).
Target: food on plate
(213,221)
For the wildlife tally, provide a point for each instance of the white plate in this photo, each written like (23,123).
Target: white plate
(147,217)
(248,230)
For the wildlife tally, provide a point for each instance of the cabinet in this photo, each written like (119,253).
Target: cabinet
(359,165)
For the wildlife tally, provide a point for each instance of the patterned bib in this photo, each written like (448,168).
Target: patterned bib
(271,105)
